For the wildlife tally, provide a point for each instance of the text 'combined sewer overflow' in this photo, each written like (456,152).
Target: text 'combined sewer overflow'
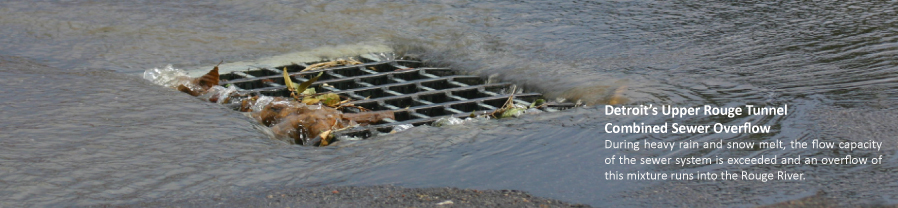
(737,143)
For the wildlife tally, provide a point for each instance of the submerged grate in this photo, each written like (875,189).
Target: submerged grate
(416,94)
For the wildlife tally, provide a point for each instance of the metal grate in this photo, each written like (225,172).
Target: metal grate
(417,95)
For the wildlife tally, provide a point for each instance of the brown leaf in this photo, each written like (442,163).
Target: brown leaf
(247,104)
(208,80)
(311,124)
(290,128)
(300,123)
(270,112)
(326,139)
(187,90)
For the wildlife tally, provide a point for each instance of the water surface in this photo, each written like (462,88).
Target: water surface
(80,127)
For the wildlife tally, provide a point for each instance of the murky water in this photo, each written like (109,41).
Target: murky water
(85,129)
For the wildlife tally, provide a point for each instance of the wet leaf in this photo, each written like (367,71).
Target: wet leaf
(308,124)
(208,80)
(509,104)
(512,112)
(329,99)
(274,111)
(310,100)
(537,103)
(302,87)
(290,128)
(308,91)
(187,90)
(246,104)
(328,64)
(326,138)
(304,123)
(289,82)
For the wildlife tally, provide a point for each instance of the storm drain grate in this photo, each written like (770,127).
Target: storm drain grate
(416,94)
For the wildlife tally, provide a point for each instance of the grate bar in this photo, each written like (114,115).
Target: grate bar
(419,82)
(278,75)
(423,101)
(362,68)
(486,106)
(425,93)
(458,84)
(391,107)
(457,97)
(419,115)
(494,98)
(364,83)
(393,92)
(417,95)
(331,73)
(453,110)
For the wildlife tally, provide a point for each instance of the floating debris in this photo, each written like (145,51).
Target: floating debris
(325,102)
(307,118)
(509,109)
(329,64)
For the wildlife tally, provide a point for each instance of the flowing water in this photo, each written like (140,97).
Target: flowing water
(80,127)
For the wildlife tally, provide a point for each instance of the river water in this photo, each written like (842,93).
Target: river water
(80,127)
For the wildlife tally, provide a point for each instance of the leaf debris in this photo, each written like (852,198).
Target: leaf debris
(306,118)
